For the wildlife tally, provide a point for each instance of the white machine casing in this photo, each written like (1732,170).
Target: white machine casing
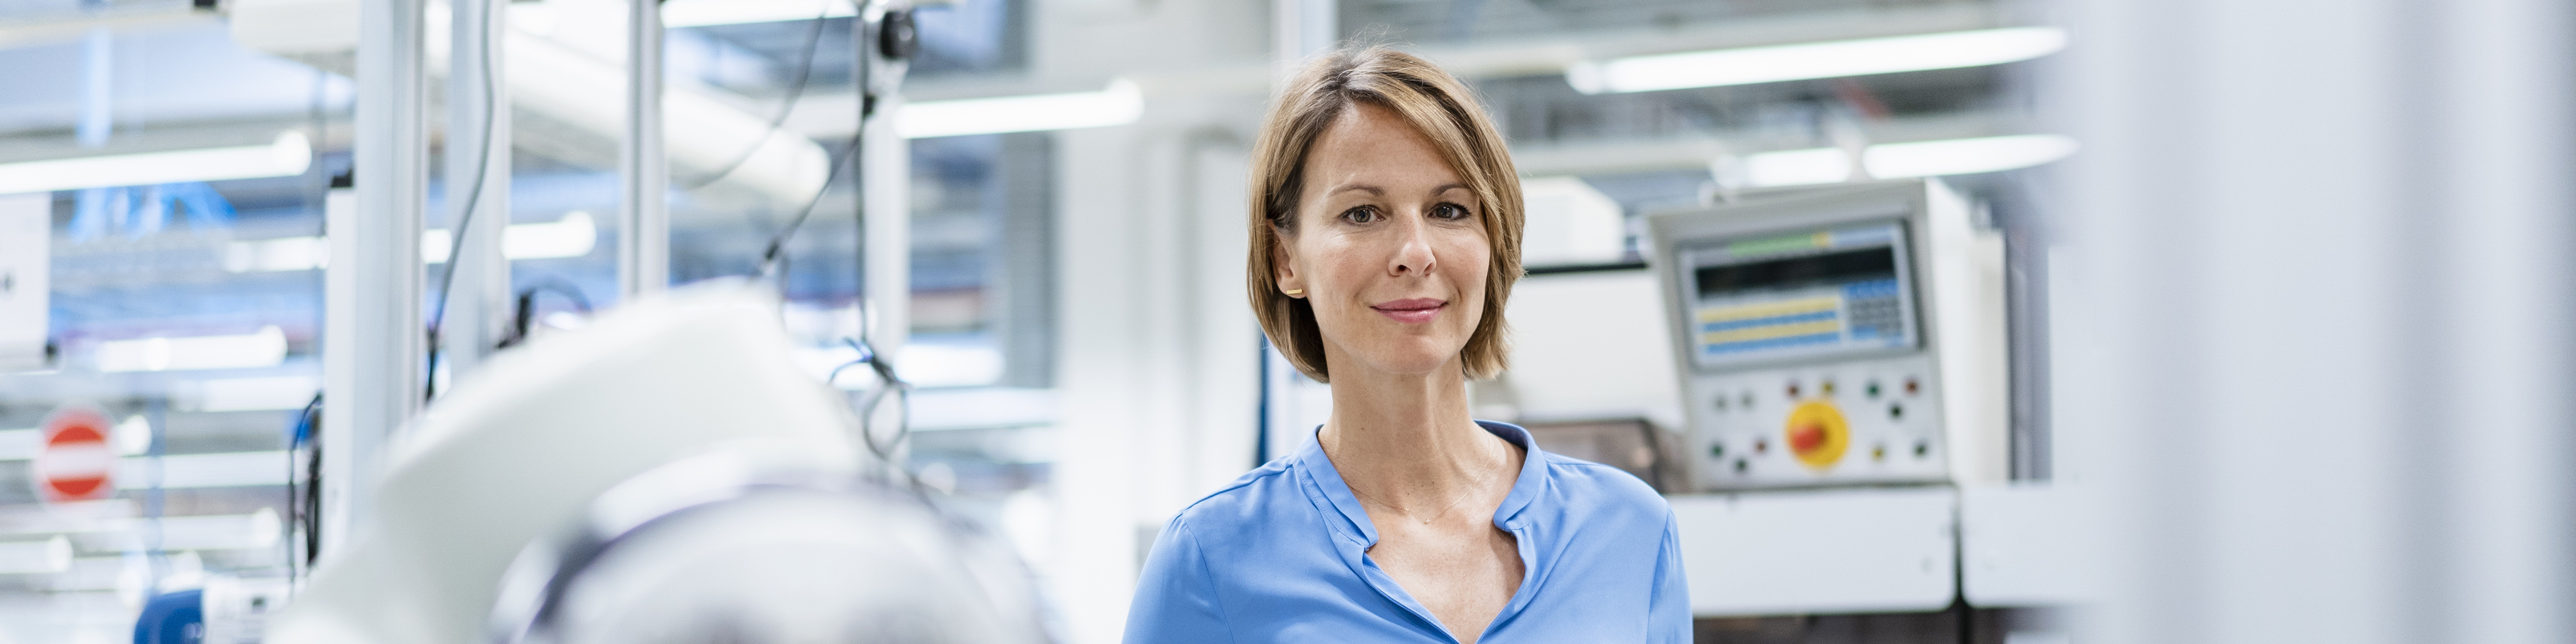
(1924,404)
(525,447)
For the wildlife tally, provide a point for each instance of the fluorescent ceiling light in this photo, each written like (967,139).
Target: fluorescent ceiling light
(280,254)
(573,236)
(1965,156)
(701,13)
(1907,160)
(259,529)
(286,156)
(265,348)
(224,469)
(1816,60)
(1120,104)
(268,393)
(1797,167)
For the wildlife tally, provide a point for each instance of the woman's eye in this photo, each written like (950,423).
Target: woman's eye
(1449,211)
(1359,215)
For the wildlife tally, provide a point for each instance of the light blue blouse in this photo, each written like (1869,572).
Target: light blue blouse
(1282,556)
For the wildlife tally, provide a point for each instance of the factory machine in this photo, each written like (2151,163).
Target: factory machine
(1836,336)
(1839,354)
(667,473)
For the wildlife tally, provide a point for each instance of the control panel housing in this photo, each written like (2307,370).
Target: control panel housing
(1809,326)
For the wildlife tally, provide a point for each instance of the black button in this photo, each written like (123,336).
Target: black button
(1739,466)
(1717,450)
(1896,412)
(1922,449)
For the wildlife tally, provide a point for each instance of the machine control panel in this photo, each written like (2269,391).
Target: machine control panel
(1804,324)
(1866,420)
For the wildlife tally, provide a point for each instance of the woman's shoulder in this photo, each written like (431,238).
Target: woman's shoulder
(1246,501)
(1585,484)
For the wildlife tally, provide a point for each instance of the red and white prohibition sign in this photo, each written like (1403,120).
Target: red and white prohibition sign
(76,464)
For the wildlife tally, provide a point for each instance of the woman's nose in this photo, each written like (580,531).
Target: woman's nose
(1413,246)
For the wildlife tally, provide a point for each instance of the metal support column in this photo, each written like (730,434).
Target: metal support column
(371,356)
(644,223)
(885,170)
(478,188)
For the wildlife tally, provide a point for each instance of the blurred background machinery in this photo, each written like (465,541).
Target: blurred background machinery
(1837,336)
(2279,331)
(781,520)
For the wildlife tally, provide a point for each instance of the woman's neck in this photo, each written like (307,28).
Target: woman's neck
(1408,439)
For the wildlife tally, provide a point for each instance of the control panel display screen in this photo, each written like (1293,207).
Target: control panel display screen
(1838,290)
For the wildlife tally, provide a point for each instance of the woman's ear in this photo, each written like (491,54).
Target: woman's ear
(1283,268)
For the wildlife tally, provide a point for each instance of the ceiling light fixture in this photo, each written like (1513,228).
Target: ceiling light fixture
(1119,104)
(265,348)
(286,156)
(1835,59)
(1907,160)
(704,13)
(575,235)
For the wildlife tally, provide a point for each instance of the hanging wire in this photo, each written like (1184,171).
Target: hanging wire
(473,200)
(786,104)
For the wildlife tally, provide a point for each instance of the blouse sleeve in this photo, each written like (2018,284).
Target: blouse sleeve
(1176,599)
(1668,612)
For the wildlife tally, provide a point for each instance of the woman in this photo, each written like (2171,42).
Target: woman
(1385,237)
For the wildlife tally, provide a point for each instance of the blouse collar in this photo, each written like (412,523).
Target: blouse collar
(1355,522)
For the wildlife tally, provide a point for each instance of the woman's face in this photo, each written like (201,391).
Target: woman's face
(1390,247)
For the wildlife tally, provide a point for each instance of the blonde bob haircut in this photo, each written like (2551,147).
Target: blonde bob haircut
(1435,104)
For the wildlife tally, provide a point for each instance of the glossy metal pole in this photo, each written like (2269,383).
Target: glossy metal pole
(371,356)
(644,222)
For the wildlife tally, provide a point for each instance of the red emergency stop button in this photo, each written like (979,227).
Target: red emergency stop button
(1806,438)
(1817,434)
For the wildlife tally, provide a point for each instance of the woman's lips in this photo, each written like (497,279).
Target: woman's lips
(1414,311)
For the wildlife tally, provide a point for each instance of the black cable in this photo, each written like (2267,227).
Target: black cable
(786,106)
(313,503)
(774,259)
(524,317)
(473,199)
(304,509)
(770,257)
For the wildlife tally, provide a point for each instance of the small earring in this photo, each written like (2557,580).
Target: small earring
(1294,291)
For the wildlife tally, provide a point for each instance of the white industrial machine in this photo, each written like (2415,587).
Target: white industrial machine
(1841,335)
(676,453)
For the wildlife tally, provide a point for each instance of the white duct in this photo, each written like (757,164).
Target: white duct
(567,97)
